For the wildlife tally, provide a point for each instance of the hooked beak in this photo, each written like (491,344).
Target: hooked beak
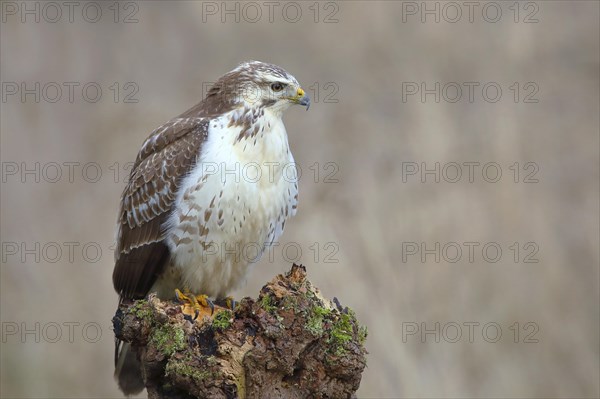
(301,98)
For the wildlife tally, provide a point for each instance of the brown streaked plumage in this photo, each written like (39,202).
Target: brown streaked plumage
(167,155)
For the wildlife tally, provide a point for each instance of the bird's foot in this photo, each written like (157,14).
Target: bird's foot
(227,303)
(195,305)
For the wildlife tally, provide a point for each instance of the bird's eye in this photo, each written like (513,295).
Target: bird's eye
(277,86)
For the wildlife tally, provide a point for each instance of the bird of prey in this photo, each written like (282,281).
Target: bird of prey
(205,186)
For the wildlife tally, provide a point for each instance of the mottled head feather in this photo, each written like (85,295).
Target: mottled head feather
(262,71)
(247,85)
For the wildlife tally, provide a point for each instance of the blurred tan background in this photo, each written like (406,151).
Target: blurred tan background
(360,61)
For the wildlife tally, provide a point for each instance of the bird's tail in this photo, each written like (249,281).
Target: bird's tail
(128,369)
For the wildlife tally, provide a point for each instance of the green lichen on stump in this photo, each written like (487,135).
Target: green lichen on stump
(290,342)
(316,319)
(222,320)
(186,366)
(266,302)
(142,310)
(168,339)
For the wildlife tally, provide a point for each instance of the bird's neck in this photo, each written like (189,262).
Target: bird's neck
(254,122)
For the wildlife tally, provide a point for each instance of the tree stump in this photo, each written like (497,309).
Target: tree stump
(288,343)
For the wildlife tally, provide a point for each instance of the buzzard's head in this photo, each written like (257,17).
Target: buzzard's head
(257,84)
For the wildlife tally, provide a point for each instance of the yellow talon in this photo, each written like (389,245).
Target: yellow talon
(194,305)
(230,303)
(204,301)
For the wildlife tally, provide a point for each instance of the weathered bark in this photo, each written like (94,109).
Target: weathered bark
(289,343)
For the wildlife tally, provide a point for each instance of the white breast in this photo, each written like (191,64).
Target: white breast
(234,202)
